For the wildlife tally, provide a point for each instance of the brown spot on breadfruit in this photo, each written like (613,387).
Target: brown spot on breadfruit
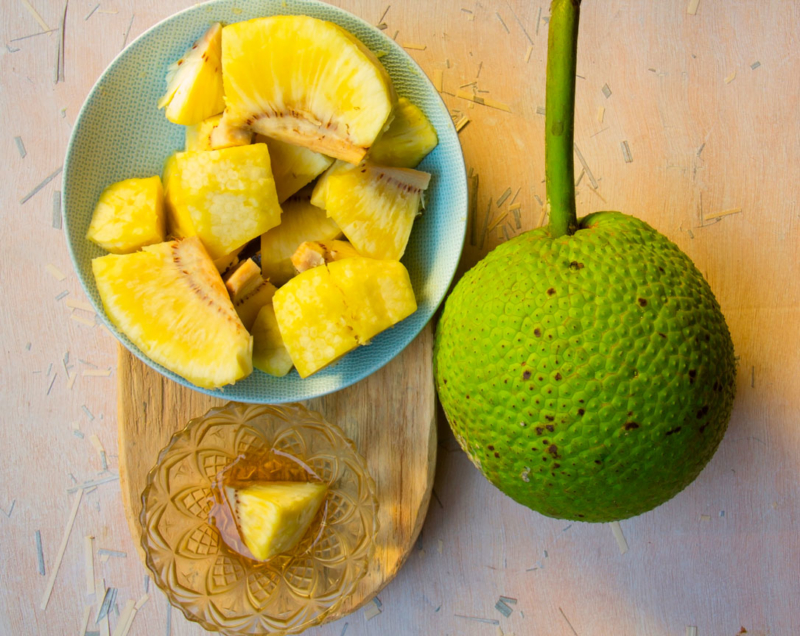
(490,447)
(581,412)
(550,428)
(549,418)
(551,291)
(539,430)
(537,332)
(526,375)
(674,430)
(558,376)
(553,450)
(702,412)
(692,375)
(642,302)
(629,426)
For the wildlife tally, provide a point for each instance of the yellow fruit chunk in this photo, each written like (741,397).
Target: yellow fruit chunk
(307,82)
(315,253)
(248,291)
(225,264)
(226,197)
(327,311)
(198,137)
(300,222)
(376,206)
(243,276)
(378,294)
(128,216)
(170,301)
(224,135)
(319,196)
(194,82)
(312,318)
(407,141)
(273,517)
(269,352)
(293,167)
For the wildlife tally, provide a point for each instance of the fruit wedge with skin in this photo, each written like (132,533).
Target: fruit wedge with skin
(272,517)
(329,310)
(293,167)
(128,216)
(198,136)
(334,98)
(226,197)
(269,352)
(169,300)
(194,82)
(376,206)
(242,277)
(407,141)
(300,222)
(225,135)
(214,133)
(315,253)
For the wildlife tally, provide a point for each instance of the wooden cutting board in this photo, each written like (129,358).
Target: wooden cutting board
(391,417)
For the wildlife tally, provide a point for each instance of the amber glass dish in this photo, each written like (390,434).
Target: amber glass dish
(192,546)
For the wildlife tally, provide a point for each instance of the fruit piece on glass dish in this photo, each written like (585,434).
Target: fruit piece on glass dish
(249,291)
(128,216)
(315,253)
(335,98)
(407,141)
(329,310)
(293,167)
(374,205)
(194,82)
(300,222)
(272,517)
(169,300)
(269,351)
(226,197)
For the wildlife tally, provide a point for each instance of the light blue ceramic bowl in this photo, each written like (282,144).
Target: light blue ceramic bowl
(121,134)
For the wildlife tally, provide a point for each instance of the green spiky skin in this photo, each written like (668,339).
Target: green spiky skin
(589,377)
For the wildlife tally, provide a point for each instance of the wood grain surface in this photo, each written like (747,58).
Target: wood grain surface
(708,105)
(396,435)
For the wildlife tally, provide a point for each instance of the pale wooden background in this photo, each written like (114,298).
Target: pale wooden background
(724,555)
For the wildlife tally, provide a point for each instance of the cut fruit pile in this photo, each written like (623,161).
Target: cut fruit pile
(273,517)
(276,239)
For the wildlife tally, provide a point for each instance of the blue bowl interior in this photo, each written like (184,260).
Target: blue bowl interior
(121,134)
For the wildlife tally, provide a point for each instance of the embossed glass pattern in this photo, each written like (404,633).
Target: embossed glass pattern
(191,545)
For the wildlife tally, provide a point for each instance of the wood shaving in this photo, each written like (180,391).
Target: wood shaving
(504,609)
(600,131)
(57,209)
(62,548)
(480,68)
(71,381)
(52,382)
(413,46)
(497,222)
(484,101)
(589,174)
(528,54)
(466,10)
(91,13)
(719,215)
(621,542)
(503,197)
(371,610)
(567,621)
(508,600)
(473,184)
(731,77)
(516,194)
(142,600)
(87,612)
(499,17)
(488,621)
(89,414)
(692,8)
(461,123)
(125,619)
(101,453)
(107,601)
(36,15)
(705,517)
(517,217)
(540,110)
(79,304)
(755,65)
(514,207)
(39,552)
(606,90)
(61,39)
(580,178)
(21,146)
(519,22)
(383,15)
(128,31)
(486,224)
(83,321)
(383,26)
(88,560)
(47,180)
(112,553)
(62,294)
(691,630)
(438,79)
(626,152)
(601,113)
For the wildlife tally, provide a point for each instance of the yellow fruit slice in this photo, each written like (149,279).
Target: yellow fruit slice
(300,222)
(319,196)
(242,277)
(376,206)
(315,253)
(305,81)
(273,517)
(293,167)
(170,301)
(377,294)
(128,216)
(269,352)
(407,141)
(194,82)
(249,291)
(224,135)
(312,318)
(198,137)
(226,197)
(225,264)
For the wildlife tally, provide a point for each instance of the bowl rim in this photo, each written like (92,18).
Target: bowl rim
(100,309)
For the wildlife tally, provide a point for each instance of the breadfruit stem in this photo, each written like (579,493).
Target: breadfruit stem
(562,50)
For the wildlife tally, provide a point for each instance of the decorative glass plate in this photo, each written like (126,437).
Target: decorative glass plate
(192,546)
